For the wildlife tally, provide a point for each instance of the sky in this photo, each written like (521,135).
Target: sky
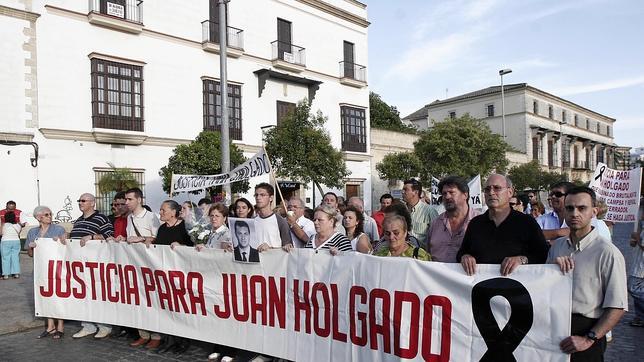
(589,52)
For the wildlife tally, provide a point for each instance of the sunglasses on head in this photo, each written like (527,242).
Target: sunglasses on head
(557,194)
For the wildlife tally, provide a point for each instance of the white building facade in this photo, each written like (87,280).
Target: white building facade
(561,135)
(125,81)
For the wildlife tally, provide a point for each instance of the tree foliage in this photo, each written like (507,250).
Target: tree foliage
(300,149)
(531,176)
(202,157)
(464,146)
(399,166)
(120,179)
(384,116)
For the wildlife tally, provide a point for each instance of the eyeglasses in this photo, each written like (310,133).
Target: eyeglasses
(262,195)
(557,194)
(46,214)
(496,188)
(81,200)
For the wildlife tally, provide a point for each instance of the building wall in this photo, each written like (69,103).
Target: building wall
(174,63)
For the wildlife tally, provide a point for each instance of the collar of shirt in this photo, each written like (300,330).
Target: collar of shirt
(584,242)
(221,229)
(245,250)
(140,215)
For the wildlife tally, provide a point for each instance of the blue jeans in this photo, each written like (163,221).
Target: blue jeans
(10,250)
(636,288)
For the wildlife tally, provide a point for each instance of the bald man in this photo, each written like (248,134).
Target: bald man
(370,227)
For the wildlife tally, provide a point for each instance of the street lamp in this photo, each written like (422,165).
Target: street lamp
(503,72)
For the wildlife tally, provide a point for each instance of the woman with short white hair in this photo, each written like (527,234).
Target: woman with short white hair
(46,229)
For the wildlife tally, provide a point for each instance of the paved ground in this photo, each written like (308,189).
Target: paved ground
(18,329)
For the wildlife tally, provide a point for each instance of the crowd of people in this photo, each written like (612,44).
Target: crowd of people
(515,230)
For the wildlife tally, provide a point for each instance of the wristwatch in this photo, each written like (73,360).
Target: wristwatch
(592,336)
(524,260)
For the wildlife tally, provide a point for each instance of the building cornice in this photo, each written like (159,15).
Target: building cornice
(16,137)
(337,12)
(112,137)
(355,156)
(18,14)
(115,58)
(569,103)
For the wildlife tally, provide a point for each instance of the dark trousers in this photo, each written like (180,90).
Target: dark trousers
(580,326)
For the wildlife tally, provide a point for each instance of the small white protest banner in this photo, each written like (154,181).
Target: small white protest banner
(476,200)
(620,190)
(256,166)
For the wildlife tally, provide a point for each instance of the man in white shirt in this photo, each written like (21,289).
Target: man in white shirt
(142,227)
(301,228)
(272,230)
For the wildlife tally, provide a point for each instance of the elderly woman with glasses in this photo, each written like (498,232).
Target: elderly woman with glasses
(46,229)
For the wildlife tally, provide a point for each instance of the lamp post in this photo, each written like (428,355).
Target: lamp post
(503,72)
(223,87)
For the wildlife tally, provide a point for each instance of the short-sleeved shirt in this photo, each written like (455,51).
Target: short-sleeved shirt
(379,217)
(550,221)
(337,240)
(273,230)
(308,227)
(443,242)
(15,212)
(421,216)
(518,234)
(53,231)
(95,224)
(599,275)
(408,253)
(147,224)
(120,225)
(167,235)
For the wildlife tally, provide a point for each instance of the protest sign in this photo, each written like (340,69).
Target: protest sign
(256,166)
(307,306)
(435,192)
(476,200)
(620,190)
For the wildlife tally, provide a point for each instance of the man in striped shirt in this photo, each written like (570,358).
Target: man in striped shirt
(421,213)
(92,225)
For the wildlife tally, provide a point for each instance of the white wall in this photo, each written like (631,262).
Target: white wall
(12,75)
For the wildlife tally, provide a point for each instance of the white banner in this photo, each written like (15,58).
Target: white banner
(476,200)
(620,190)
(256,166)
(307,306)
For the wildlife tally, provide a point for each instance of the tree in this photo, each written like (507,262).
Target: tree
(119,179)
(300,149)
(531,176)
(463,146)
(202,157)
(384,116)
(399,166)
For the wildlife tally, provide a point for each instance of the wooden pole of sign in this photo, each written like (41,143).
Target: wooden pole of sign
(639,207)
(275,179)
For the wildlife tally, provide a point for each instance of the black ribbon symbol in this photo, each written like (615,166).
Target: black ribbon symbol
(601,173)
(501,343)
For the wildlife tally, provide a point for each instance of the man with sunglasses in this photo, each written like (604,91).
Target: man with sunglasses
(92,225)
(501,235)
(552,223)
(118,218)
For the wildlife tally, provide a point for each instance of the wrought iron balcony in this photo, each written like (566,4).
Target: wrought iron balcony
(353,71)
(127,10)
(288,56)
(210,34)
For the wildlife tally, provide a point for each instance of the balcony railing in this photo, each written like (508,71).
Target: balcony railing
(210,34)
(128,10)
(581,165)
(288,52)
(353,71)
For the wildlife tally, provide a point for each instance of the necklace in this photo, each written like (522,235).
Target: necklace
(175,223)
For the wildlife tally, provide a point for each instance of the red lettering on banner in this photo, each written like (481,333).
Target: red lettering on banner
(121,283)
(68,280)
(91,265)
(243,316)
(178,291)
(196,298)
(337,335)
(225,312)
(102,276)
(361,316)
(132,285)
(301,306)
(375,328)
(414,322)
(277,302)
(446,328)
(77,268)
(324,331)
(50,281)
(257,304)
(148,283)
(163,289)
(111,297)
